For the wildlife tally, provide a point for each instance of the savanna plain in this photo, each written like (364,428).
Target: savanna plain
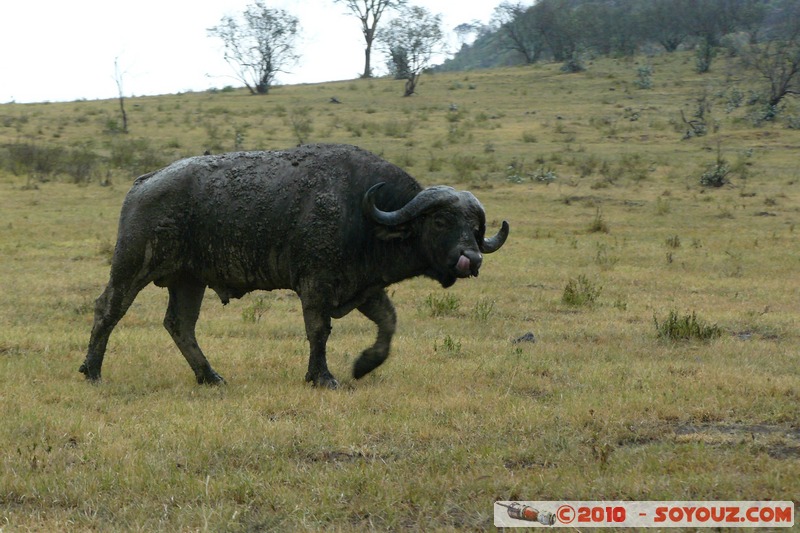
(635,339)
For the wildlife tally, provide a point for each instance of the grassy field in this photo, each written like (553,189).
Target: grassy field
(611,233)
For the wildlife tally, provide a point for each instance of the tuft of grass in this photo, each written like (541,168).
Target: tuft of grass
(580,292)
(599,224)
(483,308)
(685,328)
(448,346)
(673,241)
(444,304)
(254,311)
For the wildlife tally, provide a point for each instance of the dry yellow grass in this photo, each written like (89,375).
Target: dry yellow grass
(597,408)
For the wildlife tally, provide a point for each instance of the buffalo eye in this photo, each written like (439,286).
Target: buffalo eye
(441,220)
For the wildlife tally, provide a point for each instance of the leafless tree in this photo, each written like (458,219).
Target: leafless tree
(777,57)
(118,75)
(369,12)
(259,45)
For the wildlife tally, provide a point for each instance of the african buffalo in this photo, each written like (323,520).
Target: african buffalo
(334,223)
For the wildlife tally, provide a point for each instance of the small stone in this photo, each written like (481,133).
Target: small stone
(528,337)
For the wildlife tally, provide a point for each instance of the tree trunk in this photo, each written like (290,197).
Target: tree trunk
(411,84)
(124,114)
(367,57)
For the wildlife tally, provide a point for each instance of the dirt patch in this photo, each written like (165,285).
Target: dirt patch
(787,432)
(340,457)
(777,441)
(524,463)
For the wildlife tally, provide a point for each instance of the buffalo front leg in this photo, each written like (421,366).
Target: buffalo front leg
(183,309)
(109,309)
(318,328)
(380,310)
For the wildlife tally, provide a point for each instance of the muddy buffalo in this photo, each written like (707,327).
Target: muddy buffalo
(334,223)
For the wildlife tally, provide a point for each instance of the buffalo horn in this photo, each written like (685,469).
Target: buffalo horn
(422,202)
(493,244)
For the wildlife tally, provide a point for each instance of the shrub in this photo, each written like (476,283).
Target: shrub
(465,164)
(81,164)
(644,77)
(580,292)
(32,159)
(135,155)
(686,327)
(544,175)
(44,162)
(715,176)
(573,64)
(704,55)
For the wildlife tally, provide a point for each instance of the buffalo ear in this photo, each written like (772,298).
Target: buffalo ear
(388,233)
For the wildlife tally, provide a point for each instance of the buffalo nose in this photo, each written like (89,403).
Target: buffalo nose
(475,260)
(476,263)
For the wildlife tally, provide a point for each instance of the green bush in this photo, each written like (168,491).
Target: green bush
(716,175)
(43,162)
(644,77)
(686,327)
(31,159)
(137,156)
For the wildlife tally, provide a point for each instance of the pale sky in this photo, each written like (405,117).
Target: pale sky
(57,50)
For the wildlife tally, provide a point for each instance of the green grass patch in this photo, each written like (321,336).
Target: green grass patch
(685,328)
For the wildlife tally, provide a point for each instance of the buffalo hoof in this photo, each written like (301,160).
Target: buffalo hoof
(92,374)
(210,378)
(370,359)
(325,381)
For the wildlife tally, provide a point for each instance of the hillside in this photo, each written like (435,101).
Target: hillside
(468,127)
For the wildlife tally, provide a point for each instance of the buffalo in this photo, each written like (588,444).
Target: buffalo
(334,223)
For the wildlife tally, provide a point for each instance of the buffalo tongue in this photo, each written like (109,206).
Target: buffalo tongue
(463,265)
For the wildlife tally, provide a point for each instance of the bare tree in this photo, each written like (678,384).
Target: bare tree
(777,58)
(259,45)
(369,12)
(411,41)
(118,74)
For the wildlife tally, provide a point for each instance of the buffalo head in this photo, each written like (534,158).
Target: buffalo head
(450,226)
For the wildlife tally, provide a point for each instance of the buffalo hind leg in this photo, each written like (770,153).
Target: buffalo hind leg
(380,310)
(183,309)
(318,328)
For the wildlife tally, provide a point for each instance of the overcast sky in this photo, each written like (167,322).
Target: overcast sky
(57,50)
